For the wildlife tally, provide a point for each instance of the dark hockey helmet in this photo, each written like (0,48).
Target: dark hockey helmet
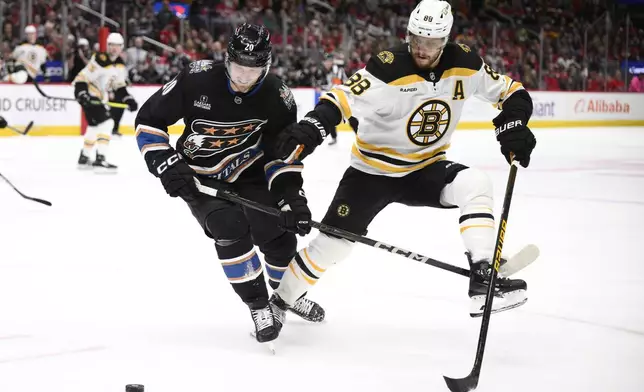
(250,46)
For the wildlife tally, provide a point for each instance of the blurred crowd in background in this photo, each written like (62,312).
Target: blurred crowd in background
(546,44)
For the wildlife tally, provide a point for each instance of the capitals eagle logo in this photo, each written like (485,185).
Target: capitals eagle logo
(209,138)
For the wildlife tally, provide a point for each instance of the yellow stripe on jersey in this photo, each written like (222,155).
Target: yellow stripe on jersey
(414,156)
(464,72)
(341,101)
(411,79)
(514,87)
(388,167)
(405,80)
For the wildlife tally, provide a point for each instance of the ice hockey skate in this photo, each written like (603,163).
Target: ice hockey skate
(101,166)
(84,162)
(308,310)
(508,293)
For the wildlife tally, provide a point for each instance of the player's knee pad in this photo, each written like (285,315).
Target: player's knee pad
(229,228)
(472,191)
(19,77)
(469,187)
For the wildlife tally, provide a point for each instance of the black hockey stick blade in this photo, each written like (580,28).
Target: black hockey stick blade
(31,124)
(16,130)
(37,200)
(466,384)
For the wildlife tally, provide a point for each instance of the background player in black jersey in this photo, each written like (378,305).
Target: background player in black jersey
(232,113)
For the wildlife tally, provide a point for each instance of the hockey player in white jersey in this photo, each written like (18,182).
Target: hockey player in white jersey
(104,72)
(28,59)
(407,102)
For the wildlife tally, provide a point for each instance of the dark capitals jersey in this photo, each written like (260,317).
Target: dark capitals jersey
(225,133)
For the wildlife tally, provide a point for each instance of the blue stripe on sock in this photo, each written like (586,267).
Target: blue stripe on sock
(244,269)
(273,273)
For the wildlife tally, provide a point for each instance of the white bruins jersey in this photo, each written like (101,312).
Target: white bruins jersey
(407,117)
(31,56)
(103,75)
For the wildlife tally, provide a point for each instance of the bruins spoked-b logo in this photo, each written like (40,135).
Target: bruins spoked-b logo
(429,122)
(212,137)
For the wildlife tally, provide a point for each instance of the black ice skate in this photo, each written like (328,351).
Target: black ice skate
(84,162)
(265,328)
(508,293)
(102,166)
(279,308)
(308,310)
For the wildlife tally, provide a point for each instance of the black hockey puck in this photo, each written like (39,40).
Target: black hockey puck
(134,388)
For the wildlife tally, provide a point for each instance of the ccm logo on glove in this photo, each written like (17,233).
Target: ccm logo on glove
(509,125)
(168,162)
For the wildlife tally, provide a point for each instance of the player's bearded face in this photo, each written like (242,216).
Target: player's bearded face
(114,50)
(426,51)
(244,77)
(32,37)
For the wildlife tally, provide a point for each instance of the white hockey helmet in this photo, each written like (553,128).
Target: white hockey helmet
(115,39)
(30,29)
(83,42)
(431,19)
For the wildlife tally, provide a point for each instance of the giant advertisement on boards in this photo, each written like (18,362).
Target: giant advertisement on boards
(20,104)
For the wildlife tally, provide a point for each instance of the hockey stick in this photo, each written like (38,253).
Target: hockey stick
(110,103)
(37,200)
(472,380)
(334,230)
(517,262)
(16,130)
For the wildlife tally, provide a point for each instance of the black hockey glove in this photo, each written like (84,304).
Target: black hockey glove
(86,100)
(515,137)
(175,174)
(131,103)
(295,216)
(309,133)
(3,122)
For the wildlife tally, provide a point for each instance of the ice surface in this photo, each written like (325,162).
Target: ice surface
(116,284)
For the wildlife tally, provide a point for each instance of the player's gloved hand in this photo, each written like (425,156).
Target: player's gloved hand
(175,174)
(309,133)
(295,216)
(3,122)
(515,137)
(132,105)
(86,100)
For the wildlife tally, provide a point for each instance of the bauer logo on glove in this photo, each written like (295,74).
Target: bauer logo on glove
(508,125)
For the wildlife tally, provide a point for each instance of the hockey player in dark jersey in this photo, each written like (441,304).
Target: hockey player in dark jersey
(232,114)
(406,104)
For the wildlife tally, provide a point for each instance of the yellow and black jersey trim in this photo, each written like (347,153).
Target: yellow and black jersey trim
(339,99)
(396,67)
(511,86)
(391,161)
(103,59)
